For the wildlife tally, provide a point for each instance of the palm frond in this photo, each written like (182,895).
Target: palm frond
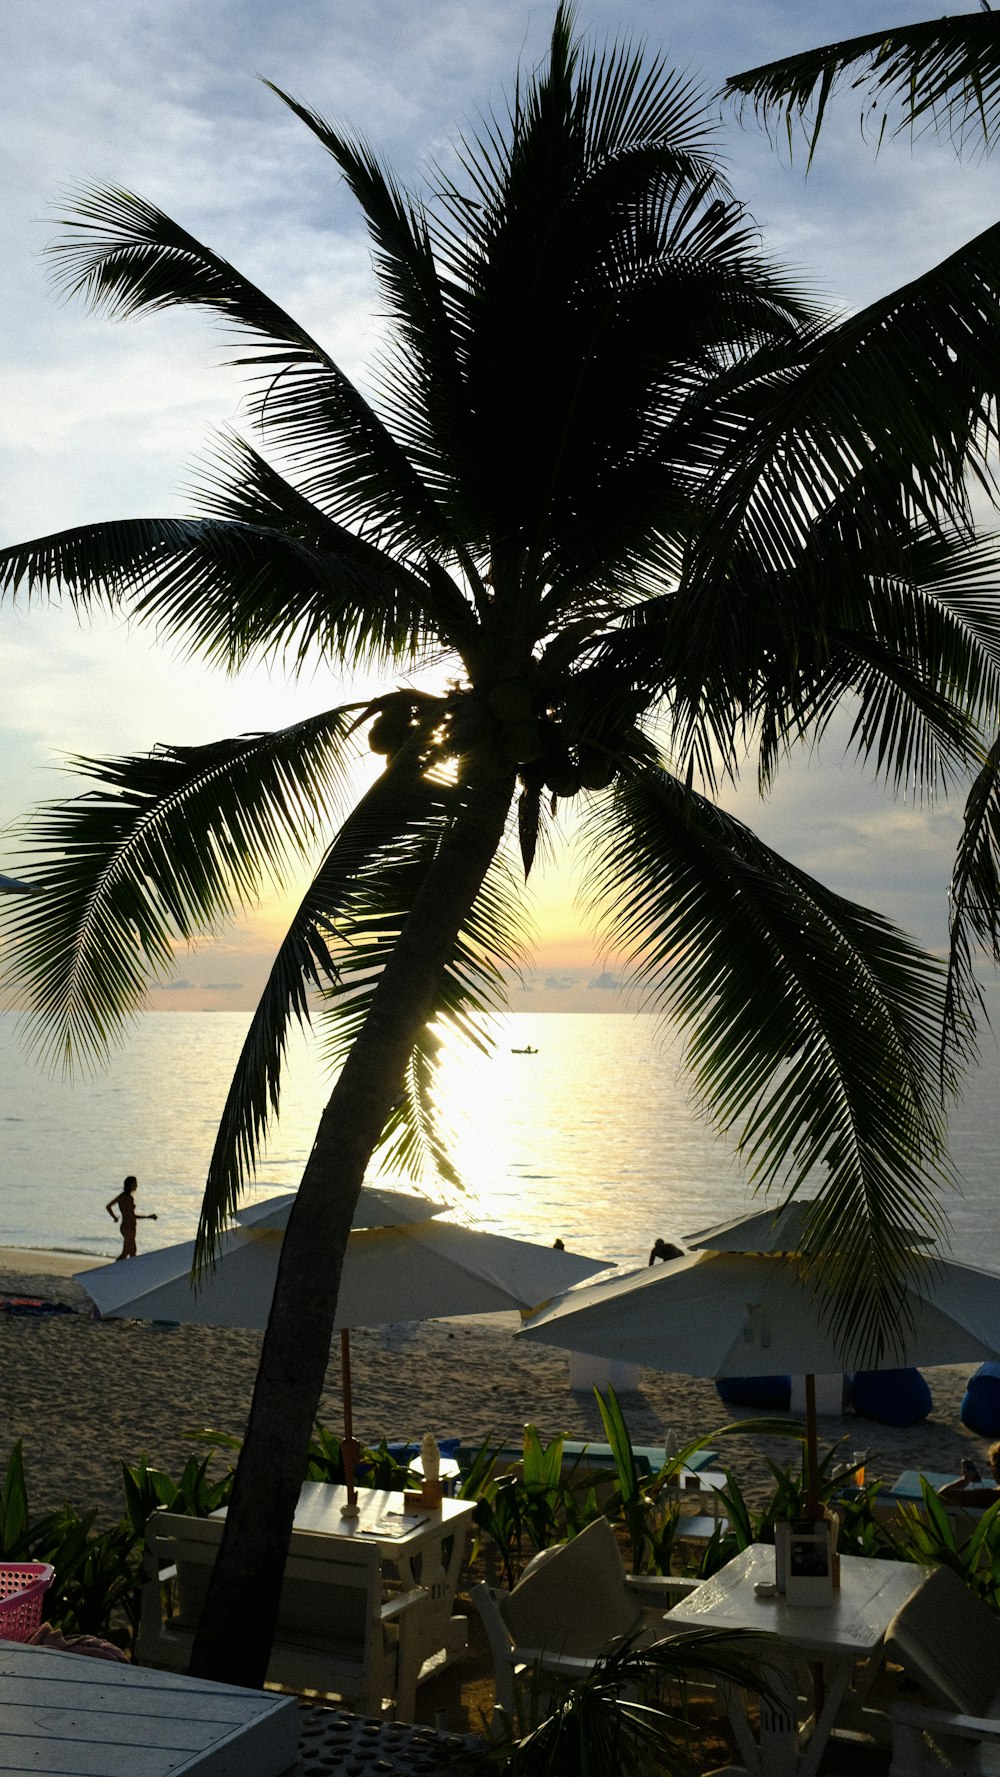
(941,73)
(602,273)
(237,588)
(129,258)
(877,426)
(974,899)
(471,989)
(366,593)
(915,639)
(169,845)
(425,397)
(399,811)
(814,1030)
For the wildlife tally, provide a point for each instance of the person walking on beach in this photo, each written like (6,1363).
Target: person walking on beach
(125,1204)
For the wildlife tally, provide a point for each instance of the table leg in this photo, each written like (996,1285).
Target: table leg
(437,1573)
(779,1724)
(775,1752)
(736,1708)
(836,1681)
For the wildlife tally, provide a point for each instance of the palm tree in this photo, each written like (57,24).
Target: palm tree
(656,515)
(940,76)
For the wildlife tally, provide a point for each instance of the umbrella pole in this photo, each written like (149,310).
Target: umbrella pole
(813,1508)
(348,1447)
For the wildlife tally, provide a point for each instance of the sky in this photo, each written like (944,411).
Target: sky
(101,419)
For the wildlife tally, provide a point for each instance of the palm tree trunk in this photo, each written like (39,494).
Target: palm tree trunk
(233,1642)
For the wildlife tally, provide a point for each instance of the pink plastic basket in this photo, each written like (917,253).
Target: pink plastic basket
(23,1585)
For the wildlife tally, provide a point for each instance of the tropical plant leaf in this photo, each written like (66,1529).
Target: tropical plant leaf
(400,805)
(975,899)
(833,447)
(813,1031)
(471,990)
(127,257)
(941,73)
(236,590)
(171,844)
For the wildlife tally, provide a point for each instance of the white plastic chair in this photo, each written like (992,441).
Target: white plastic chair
(570,1605)
(949,1641)
(335,1633)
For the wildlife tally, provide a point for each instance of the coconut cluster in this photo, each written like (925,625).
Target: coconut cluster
(393,728)
(533,742)
(538,745)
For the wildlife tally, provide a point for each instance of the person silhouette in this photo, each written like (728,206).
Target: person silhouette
(125,1204)
(665,1249)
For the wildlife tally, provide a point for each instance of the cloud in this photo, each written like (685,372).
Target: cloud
(197,986)
(607,983)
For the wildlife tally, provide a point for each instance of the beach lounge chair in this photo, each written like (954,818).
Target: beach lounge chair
(949,1641)
(336,1633)
(570,1604)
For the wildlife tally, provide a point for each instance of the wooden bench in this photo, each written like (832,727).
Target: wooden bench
(336,1633)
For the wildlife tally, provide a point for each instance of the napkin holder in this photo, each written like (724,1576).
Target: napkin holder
(805,1562)
(426,1498)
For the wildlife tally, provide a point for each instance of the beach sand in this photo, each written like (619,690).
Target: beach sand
(83,1395)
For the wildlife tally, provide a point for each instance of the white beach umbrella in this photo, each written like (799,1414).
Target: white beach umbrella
(404,1263)
(717,1313)
(784,1230)
(237,1290)
(9,885)
(781,1230)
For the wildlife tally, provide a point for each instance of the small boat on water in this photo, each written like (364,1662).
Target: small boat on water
(526,1051)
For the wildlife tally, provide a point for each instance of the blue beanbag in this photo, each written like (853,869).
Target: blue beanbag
(403,1452)
(893,1397)
(756,1391)
(981,1401)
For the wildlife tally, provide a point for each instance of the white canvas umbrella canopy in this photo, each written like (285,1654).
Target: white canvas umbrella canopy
(237,1291)
(781,1230)
(9,885)
(401,1263)
(721,1314)
(785,1230)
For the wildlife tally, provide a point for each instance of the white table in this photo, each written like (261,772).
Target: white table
(94,1718)
(836,1637)
(424,1547)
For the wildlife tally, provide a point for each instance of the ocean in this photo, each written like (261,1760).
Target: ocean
(593,1138)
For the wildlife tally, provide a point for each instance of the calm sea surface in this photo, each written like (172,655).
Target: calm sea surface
(593,1138)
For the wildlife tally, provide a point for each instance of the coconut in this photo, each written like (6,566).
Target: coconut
(389,730)
(512,702)
(597,770)
(561,775)
(521,742)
